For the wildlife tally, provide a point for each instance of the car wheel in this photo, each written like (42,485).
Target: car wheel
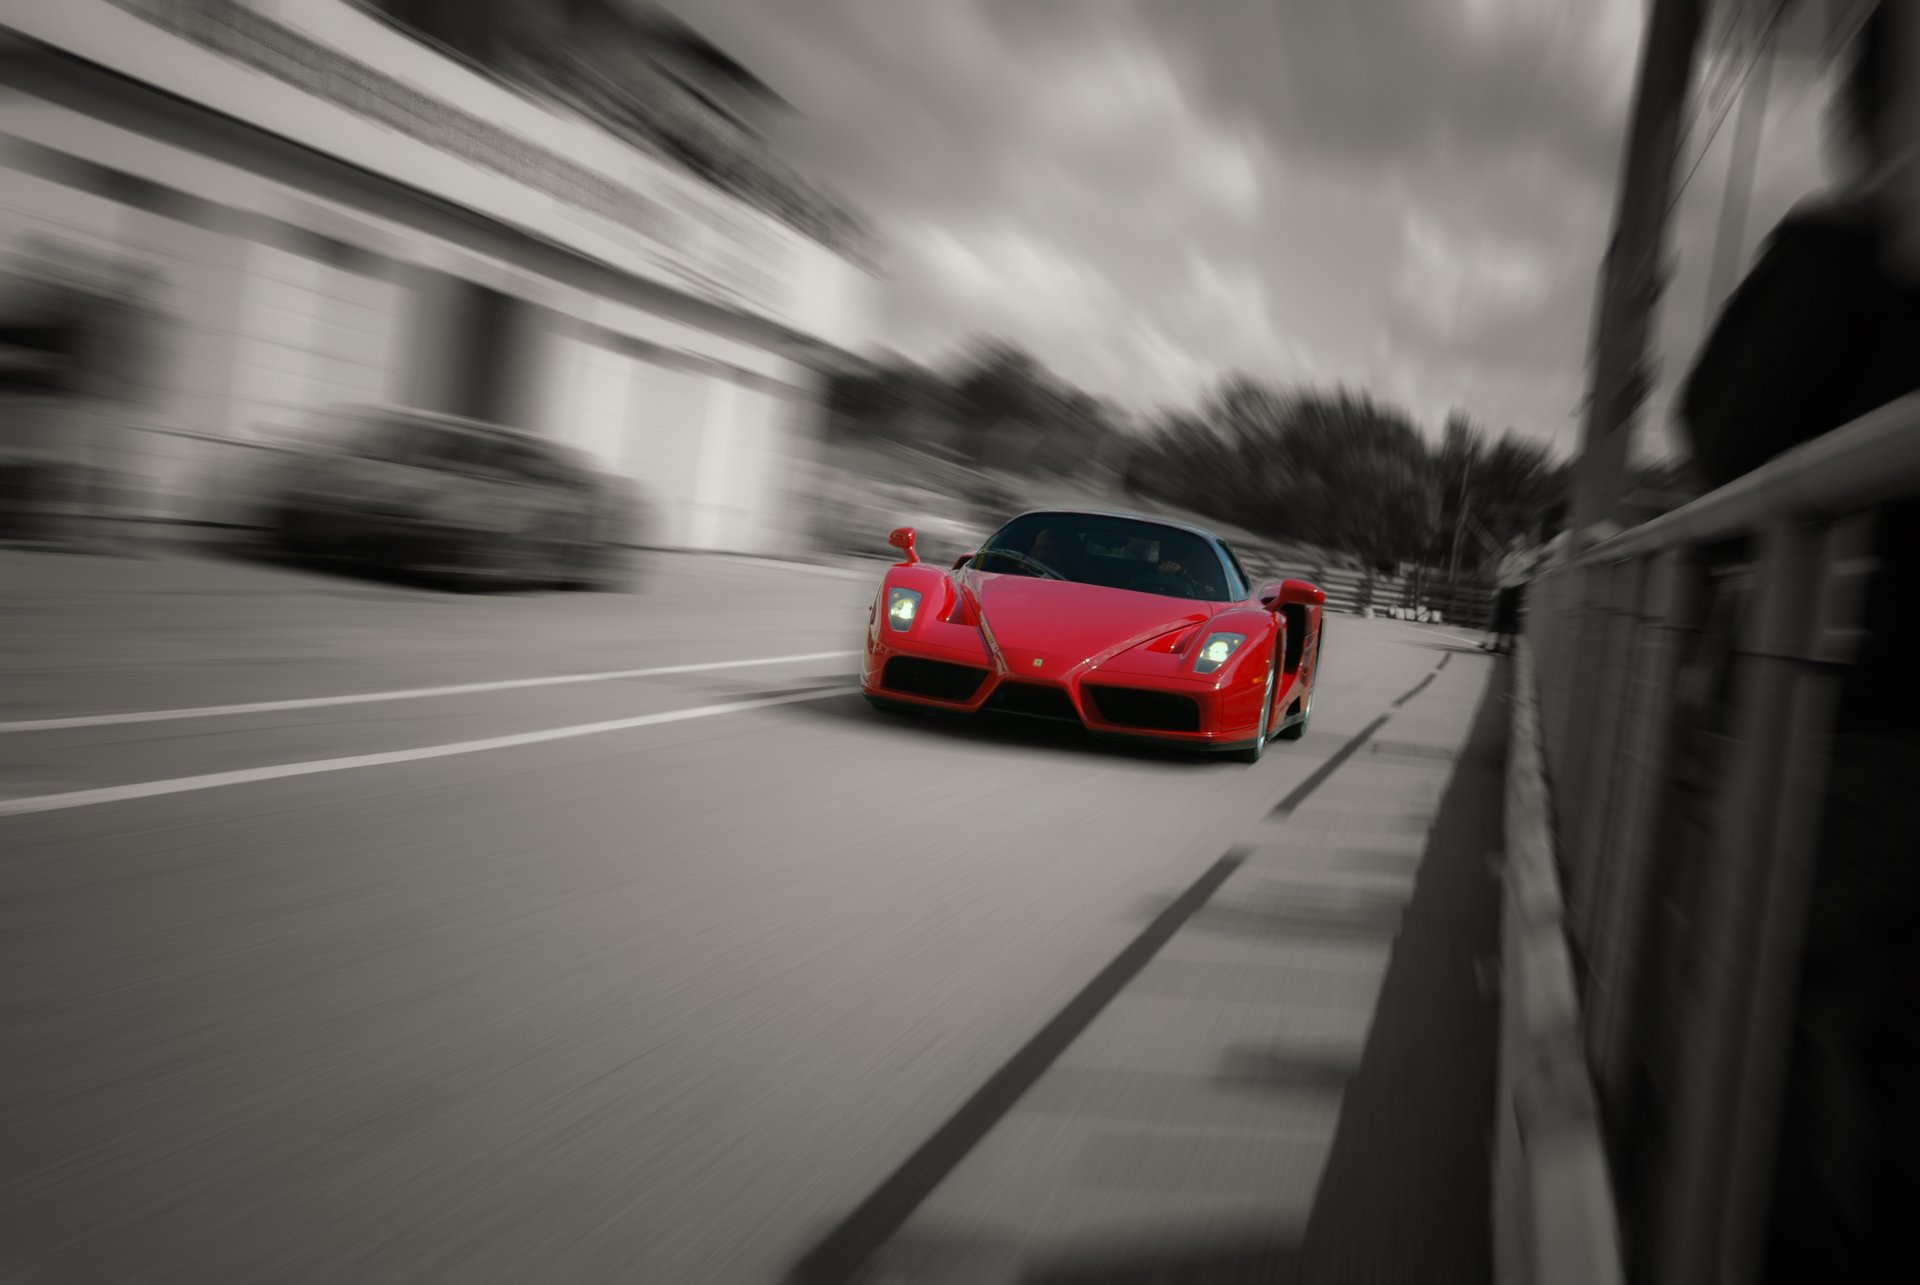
(1295,730)
(572,567)
(1252,753)
(604,568)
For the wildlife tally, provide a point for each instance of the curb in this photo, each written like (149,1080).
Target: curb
(1554,1221)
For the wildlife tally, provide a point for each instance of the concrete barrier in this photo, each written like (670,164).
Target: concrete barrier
(1554,1221)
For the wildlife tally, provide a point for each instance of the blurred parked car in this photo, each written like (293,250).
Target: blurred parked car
(456,500)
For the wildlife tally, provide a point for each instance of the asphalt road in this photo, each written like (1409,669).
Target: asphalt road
(656,1002)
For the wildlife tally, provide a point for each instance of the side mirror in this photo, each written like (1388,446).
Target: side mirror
(965,558)
(1303,592)
(902,539)
(1269,593)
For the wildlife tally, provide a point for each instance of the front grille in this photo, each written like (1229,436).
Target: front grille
(933,678)
(1033,701)
(1158,711)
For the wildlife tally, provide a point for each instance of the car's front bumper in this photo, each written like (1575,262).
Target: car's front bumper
(1191,711)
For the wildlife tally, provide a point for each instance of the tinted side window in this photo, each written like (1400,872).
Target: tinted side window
(1242,583)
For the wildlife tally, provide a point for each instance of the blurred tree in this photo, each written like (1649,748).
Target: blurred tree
(888,398)
(1245,409)
(1461,451)
(1492,493)
(1515,488)
(1334,468)
(1002,381)
(1356,475)
(1008,401)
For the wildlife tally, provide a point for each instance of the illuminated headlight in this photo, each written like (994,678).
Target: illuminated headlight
(902,606)
(1215,651)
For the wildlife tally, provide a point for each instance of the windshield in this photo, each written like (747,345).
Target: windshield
(1114,552)
(440,446)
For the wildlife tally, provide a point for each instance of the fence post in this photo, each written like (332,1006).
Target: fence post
(1719,1003)
(1576,797)
(1669,602)
(1827,640)
(1566,616)
(1613,669)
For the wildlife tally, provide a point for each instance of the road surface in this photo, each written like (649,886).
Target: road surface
(693,967)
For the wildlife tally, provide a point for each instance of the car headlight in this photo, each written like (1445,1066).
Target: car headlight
(902,606)
(1216,651)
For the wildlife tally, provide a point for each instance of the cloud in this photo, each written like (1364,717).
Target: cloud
(1173,368)
(1237,299)
(1410,196)
(1452,280)
(1362,83)
(1010,276)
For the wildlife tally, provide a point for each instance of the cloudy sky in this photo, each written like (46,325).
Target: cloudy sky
(1409,196)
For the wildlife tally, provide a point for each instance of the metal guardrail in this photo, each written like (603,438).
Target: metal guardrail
(1468,604)
(1620,630)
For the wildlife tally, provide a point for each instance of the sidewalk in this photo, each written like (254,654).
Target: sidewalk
(1298,1084)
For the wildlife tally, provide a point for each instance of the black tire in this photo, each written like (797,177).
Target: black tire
(1295,730)
(603,568)
(574,561)
(574,569)
(1251,754)
(289,531)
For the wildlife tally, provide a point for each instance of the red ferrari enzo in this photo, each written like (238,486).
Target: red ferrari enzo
(1134,627)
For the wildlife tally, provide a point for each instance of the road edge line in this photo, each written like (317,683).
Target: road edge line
(314,767)
(397,694)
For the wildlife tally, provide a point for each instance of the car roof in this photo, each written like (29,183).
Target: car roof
(474,427)
(1177,524)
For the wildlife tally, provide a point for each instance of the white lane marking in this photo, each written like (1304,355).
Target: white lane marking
(406,694)
(248,775)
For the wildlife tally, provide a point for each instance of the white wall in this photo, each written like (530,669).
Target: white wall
(195,275)
(755,462)
(701,231)
(263,334)
(356,337)
(197,298)
(586,399)
(673,408)
(33,206)
(311,335)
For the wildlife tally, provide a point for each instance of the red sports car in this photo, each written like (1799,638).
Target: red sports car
(1134,627)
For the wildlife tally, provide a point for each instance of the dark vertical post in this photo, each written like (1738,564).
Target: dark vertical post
(1730,241)
(1633,274)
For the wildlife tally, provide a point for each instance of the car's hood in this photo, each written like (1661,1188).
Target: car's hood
(1063,624)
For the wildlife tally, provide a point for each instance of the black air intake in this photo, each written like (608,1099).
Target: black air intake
(932,678)
(1153,711)
(1031,700)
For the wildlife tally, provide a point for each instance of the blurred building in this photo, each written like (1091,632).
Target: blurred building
(560,215)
